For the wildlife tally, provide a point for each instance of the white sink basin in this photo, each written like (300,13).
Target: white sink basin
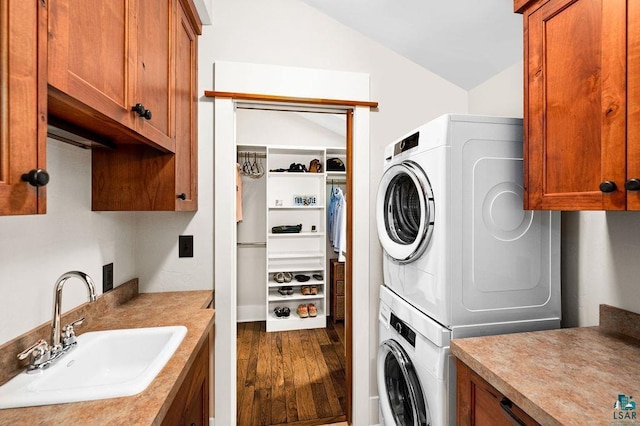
(104,364)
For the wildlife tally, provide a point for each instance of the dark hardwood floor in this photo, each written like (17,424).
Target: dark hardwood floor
(290,377)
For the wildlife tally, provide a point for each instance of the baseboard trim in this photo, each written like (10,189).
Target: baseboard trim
(250,313)
(374,411)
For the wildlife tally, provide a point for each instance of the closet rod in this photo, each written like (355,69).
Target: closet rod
(252,154)
(252,244)
(336,182)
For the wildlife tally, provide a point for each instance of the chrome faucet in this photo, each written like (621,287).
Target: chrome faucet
(43,354)
(57,304)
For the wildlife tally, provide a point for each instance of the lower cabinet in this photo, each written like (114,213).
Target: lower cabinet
(479,403)
(191,404)
(337,290)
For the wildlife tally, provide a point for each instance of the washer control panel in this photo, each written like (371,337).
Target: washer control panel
(406,144)
(403,329)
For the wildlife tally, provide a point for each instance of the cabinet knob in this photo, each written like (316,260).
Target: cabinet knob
(632,184)
(36,177)
(182,196)
(141,111)
(608,186)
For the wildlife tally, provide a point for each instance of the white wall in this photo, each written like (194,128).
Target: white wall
(159,267)
(37,249)
(600,251)
(501,95)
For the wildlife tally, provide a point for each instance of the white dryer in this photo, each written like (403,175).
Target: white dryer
(415,374)
(457,243)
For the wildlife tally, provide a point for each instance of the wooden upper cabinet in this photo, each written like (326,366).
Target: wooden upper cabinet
(89,71)
(137,176)
(105,58)
(154,87)
(186,86)
(633,105)
(23,96)
(575,104)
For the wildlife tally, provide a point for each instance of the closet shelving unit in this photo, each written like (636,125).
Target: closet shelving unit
(302,253)
(338,177)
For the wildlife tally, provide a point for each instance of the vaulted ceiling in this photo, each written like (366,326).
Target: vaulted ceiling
(464,41)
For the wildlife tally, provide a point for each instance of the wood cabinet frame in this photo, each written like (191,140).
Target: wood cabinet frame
(23,104)
(575,104)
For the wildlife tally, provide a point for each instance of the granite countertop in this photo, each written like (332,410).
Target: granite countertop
(569,376)
(131,310)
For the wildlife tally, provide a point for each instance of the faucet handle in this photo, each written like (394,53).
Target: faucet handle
(69,335)
(40,345)
(39,354)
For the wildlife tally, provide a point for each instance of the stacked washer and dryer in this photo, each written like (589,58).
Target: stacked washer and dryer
(461,258)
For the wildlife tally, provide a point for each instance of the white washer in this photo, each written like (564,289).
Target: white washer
(416,380)
(457,243)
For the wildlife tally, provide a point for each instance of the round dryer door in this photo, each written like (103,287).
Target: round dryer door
(401,395)
(405,211)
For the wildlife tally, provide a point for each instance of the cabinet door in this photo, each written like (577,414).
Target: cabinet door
(89,49)
(153,69)
(23,91)
(186,102)
(633,105)
(191,404)
(480,404)
(575,107)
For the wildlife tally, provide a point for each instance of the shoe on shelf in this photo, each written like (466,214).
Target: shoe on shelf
(288,276)
(305,290)
(311,309)
(278,277)
(302,311)
(282,311)
(302,278)
(285,290)
(313,290)
(317,277)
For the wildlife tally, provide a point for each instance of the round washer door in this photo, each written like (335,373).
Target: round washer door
(405,211)
(401,397)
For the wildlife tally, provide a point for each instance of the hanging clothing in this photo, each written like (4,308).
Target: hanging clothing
(238,193)
(337,226)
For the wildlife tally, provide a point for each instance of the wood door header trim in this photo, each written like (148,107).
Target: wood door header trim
(288,99)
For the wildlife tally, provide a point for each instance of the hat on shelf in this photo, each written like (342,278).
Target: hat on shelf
(335,165)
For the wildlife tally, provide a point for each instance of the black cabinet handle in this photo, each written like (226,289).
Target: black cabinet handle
(608,186)
(182,196)
(632,184)
(141,111)
(36,177)
(507,407)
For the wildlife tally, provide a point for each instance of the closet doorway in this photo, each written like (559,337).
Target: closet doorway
(293,331)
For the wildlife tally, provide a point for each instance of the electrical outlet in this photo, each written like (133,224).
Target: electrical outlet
(107,278)
(185,246)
